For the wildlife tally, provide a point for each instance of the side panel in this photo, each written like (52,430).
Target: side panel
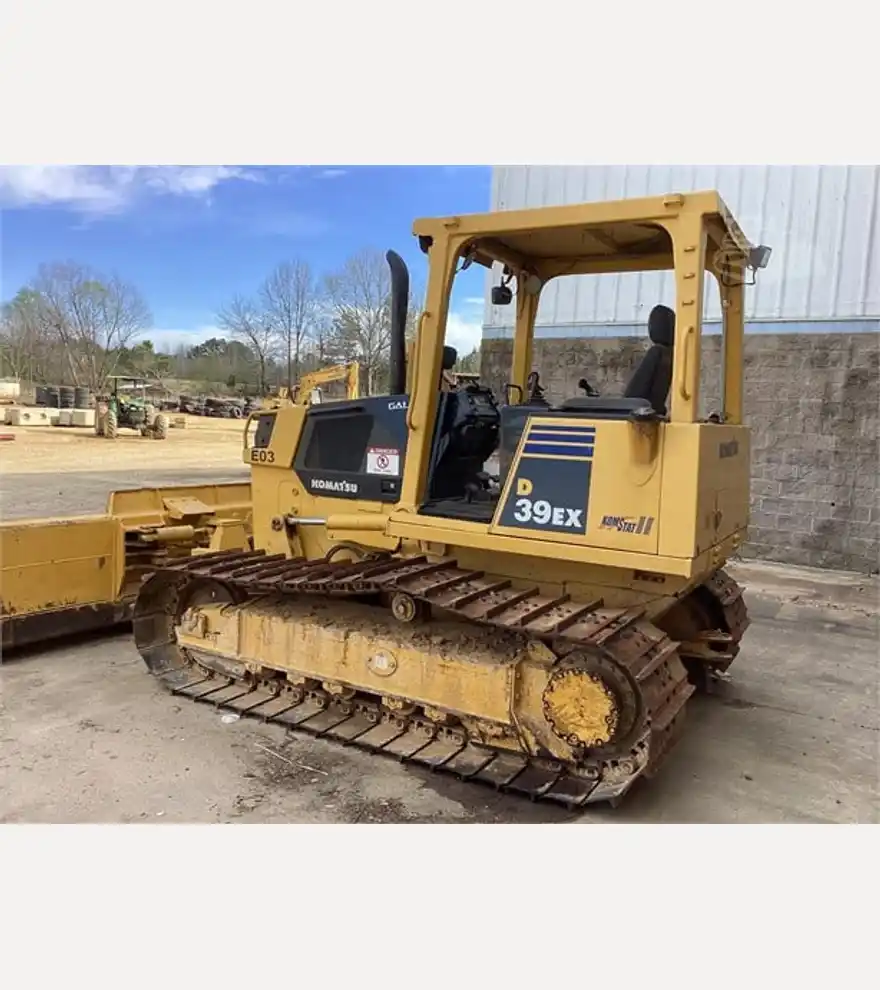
(285,486)
(724,483)
(679,487)
(705,494)
(354,450)
(591,483)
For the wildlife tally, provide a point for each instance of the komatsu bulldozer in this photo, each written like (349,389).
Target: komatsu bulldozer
(540,630)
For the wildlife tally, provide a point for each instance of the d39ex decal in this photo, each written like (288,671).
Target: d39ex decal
(548,495)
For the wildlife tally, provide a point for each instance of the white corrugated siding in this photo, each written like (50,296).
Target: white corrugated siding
(823,223)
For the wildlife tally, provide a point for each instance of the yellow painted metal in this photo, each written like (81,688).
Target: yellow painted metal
(686,479)
(583,707)
(626,484)
(526,309)
(91,565)
(456,670)
(689,244)
(49,564)
(156,506)
(732,354)
(428,363)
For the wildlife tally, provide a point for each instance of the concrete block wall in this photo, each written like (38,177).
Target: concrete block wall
(813,404)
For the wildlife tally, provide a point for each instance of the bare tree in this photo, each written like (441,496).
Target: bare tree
(243,319)
(359,295)
(94,317)
(290,306)
(24,345)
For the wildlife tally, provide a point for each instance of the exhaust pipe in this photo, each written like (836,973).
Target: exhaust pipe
(399,307)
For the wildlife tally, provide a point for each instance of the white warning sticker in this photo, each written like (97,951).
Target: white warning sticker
(383,460)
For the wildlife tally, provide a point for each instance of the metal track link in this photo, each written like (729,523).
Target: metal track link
(415,742)
(412,586)
(723,621)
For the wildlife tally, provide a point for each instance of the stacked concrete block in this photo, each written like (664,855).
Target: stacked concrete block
(82,417)
(24,416)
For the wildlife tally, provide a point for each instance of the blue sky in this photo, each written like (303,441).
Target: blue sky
(191,236)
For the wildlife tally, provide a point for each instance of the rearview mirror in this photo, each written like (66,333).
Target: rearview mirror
(759,257)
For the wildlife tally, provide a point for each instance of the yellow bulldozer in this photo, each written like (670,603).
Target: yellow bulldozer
(540,629)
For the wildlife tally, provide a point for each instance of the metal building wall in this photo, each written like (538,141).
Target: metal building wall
(823,223)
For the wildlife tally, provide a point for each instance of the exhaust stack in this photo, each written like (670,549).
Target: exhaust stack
(399,307)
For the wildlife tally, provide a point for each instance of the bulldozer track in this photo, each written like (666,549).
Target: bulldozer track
(412,588)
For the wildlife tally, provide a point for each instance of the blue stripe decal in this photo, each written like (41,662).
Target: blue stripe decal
(557,450)
(563,428)
(580,438)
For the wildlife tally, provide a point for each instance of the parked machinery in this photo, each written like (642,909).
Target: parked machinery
(541,629)
(123,409)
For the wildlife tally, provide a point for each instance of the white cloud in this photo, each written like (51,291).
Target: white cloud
(332,173)
(463,334)
(94,189)
(192,180)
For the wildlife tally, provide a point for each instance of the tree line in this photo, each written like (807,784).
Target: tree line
(74,325)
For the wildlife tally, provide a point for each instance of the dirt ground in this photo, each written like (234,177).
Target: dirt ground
(87,736)
(78,469)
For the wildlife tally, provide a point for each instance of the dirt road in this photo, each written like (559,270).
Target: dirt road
(76,469)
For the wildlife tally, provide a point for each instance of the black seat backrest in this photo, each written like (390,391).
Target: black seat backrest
(653,377)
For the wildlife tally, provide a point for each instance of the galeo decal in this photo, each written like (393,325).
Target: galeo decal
(728,449)
(542,512)
(637,525)
(399,404)
(326,485)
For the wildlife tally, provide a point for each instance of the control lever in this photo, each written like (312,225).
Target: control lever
(508,388)
(588,389)
(536,392)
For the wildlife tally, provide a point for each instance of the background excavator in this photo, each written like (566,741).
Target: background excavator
(308,390)
(542,628)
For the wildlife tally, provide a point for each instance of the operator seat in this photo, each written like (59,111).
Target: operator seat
(648,387)
(653,377)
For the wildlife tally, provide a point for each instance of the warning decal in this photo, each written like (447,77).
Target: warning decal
(383,460)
